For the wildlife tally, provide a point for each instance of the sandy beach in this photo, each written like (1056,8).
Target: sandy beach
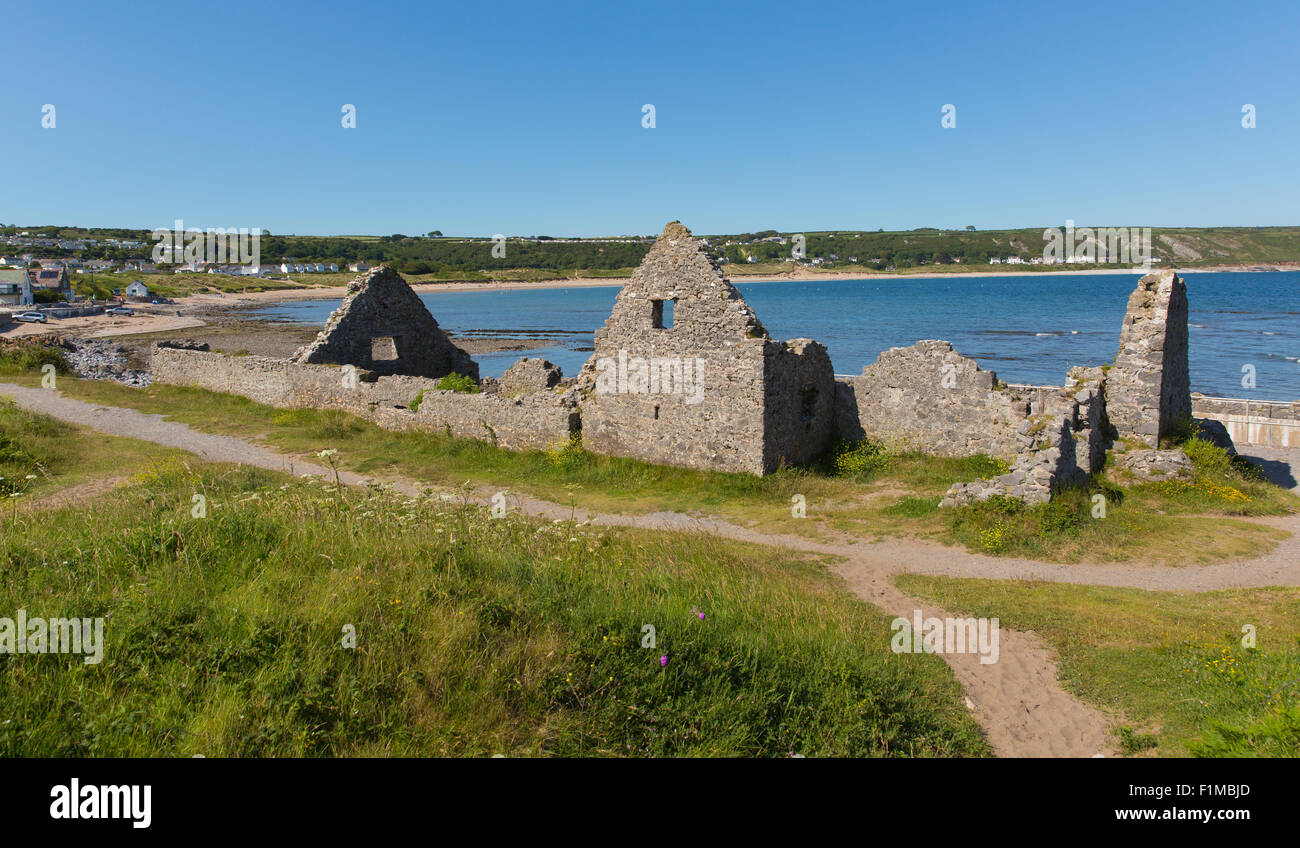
(228,301)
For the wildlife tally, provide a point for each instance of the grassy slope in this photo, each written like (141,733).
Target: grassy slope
(474,635)
(1173,664)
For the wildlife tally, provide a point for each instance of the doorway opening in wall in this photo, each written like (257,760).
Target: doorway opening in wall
(662,314)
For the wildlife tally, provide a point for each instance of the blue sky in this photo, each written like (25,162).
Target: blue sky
(525,118)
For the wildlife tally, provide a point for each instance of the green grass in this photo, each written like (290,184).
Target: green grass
(225,634)
(39,454)
(1171,666)
(1178,522)
(863,491)
(184,284)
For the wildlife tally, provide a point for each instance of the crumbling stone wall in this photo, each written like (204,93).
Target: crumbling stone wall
(1148,390)
(529,375)
(1047,463)
(384,327)
(799,410)
(683,373)
(540,420)
(932,398)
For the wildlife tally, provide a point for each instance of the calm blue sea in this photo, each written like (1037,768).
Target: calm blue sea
(1029,329)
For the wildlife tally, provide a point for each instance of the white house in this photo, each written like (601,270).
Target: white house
(137,289)
(995,260)
(359,267)
(1015,260)
(15,288)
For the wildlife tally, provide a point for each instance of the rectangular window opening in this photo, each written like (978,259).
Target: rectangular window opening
(383,349)
(661,314)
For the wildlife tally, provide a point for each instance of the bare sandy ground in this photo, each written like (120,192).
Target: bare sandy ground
(1018,700)
(100,326)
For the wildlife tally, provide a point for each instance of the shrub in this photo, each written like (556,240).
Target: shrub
(856,459)
(567,455)
(30,356)
(454,382)
(1059,518)
(1208,457)
(419,399)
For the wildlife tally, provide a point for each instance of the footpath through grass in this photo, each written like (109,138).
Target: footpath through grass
(227,633)
(858,491)
(1172,664)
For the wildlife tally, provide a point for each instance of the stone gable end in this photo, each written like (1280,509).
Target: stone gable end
(384,327)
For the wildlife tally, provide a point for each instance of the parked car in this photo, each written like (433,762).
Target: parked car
(37,317)
(119,310)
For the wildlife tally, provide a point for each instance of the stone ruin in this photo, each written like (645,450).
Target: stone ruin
(684,373)
(384,327)
(1150,385)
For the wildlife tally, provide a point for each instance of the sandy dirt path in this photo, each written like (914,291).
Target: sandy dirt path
(1018,700)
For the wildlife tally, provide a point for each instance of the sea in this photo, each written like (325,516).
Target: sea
(1244,326)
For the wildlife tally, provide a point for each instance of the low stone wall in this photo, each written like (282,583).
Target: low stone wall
(70,311)
(933,399)
(1253,422)
(538,421)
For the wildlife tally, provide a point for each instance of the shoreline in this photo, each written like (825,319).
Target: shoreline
(203,308)
(264,298)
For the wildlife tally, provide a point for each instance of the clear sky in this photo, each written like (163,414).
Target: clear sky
(526,118)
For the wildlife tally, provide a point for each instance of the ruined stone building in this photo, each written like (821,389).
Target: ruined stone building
(384,327)
(683,373)
(1149,385)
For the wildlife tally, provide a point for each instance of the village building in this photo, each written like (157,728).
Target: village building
(15,288)
(51,279)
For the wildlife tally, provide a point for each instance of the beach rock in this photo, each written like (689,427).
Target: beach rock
(99,359)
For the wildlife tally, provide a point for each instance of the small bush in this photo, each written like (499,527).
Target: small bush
(454,382)
(569,455)
(1060,518)
(1208,457)
(857,459)
(1133,742)
(31,356)
(419,399)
